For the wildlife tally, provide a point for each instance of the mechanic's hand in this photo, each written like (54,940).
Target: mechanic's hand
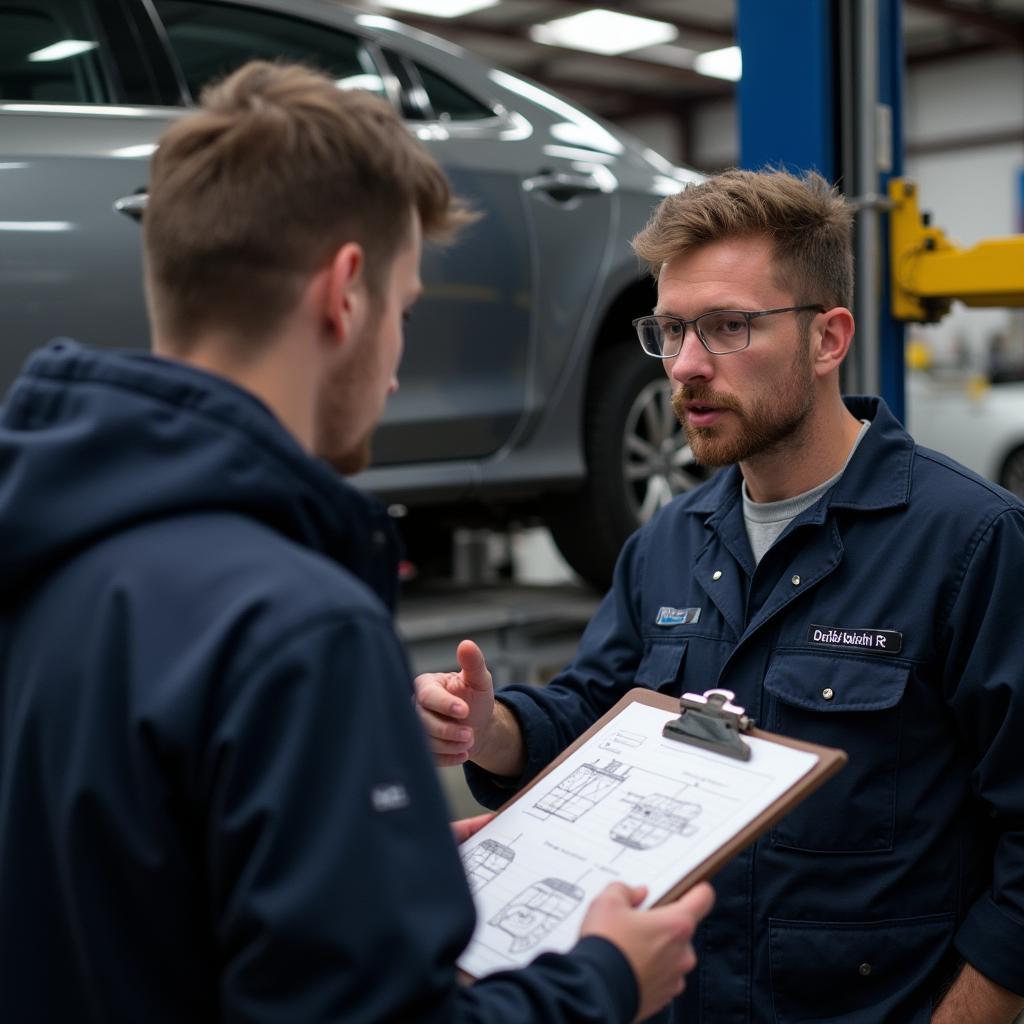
(657,942)
(456,707)
(466,827)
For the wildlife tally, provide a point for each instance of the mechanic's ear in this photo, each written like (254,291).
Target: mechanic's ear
(346,290)
(831,333)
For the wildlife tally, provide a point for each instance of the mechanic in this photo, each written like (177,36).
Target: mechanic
(216,801)
(852,589)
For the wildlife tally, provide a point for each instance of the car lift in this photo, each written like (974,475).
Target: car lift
(929,271)
(821,88)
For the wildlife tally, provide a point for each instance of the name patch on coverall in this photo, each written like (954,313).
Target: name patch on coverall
(676,616)
(871,641)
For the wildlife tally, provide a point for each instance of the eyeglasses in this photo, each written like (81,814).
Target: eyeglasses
(721,331)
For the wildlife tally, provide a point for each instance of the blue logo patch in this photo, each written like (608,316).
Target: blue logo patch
(677,616)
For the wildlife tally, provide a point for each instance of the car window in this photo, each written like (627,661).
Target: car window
(49,53)
(210,40)
(450,103)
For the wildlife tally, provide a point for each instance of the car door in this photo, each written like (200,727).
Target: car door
(70,147)
(508,309)
(504,307)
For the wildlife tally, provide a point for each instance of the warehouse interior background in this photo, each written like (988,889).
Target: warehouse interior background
(963,107)
(962,117)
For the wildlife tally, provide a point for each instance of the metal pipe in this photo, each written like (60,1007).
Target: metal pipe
(868,253)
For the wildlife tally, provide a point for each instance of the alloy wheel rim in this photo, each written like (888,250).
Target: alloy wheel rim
(657,460)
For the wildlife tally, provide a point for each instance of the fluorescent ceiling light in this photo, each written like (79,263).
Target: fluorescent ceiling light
(440,8)
(132,152)
(35,225)
(725,63)
(601,31)
(62,50)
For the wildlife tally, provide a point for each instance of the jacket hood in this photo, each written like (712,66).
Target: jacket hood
(92,443)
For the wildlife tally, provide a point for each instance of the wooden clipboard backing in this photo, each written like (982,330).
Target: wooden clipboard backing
(830,761)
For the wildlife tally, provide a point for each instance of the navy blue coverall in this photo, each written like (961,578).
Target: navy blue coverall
(857,906)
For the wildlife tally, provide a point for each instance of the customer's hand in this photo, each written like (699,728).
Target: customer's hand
(657,943)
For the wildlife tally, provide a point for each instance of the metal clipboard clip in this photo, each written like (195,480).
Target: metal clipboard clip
(711,721)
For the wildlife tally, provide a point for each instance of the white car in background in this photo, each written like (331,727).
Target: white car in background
(979,424)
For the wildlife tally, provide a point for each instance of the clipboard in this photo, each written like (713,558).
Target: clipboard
(638,786)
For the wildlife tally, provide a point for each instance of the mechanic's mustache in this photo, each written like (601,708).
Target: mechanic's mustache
(701,394)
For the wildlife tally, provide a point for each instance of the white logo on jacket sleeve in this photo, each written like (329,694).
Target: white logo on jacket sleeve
(390,797)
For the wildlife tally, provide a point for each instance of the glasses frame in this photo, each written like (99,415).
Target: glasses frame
(695,324)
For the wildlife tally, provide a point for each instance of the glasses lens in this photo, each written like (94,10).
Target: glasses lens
(724,331)
(660,336)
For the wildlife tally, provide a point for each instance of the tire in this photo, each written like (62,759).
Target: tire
(1011,476)
(637,456)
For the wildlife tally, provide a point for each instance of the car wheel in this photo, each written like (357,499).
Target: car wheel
(638,459)
(1011,476)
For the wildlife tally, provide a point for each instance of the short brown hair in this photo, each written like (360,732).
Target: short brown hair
(807,222)
(258,188)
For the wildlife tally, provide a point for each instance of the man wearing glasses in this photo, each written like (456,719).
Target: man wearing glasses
(851,589)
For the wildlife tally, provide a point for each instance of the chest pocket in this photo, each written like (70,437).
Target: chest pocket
(680,664)
(854,703)
(660,665)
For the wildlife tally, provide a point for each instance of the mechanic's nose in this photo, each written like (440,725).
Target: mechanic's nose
(694,361)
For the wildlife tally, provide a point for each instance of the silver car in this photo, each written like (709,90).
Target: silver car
(523,392)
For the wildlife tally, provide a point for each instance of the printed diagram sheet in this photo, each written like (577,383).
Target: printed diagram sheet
(628,806)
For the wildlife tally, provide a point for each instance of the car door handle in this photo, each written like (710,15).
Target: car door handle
(132,206)
(562,186)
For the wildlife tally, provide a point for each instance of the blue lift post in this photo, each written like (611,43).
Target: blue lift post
(805,103)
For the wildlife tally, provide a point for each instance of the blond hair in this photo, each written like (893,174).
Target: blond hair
(256,190)
(807,222)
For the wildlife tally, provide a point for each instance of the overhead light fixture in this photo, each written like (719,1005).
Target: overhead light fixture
(134,152)
(440,8)
(62,50)
(602,31)
(727,64)
(35,225)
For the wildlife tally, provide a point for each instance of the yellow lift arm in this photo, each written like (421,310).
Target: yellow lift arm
(929,271)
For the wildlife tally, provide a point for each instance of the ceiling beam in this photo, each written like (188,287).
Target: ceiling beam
(1005,29)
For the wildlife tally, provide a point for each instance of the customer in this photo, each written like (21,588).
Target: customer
(216,803)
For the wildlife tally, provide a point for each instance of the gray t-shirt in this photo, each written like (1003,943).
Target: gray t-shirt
(765,520)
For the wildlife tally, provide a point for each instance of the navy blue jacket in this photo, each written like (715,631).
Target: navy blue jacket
(857,906)
(216,803)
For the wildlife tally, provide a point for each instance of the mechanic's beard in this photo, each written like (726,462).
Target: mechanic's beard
(770,424)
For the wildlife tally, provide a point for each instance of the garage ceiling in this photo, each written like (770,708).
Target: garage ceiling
(660,79)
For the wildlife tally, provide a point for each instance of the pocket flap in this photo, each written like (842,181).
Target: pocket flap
(660,664)
(836,682)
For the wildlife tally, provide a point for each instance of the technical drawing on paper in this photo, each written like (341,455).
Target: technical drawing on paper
(538,909)
(486,862)
(620,739)
(582,789)
(654,818)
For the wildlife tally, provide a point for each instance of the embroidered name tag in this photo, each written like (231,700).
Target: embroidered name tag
(871,641)
(677,616)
